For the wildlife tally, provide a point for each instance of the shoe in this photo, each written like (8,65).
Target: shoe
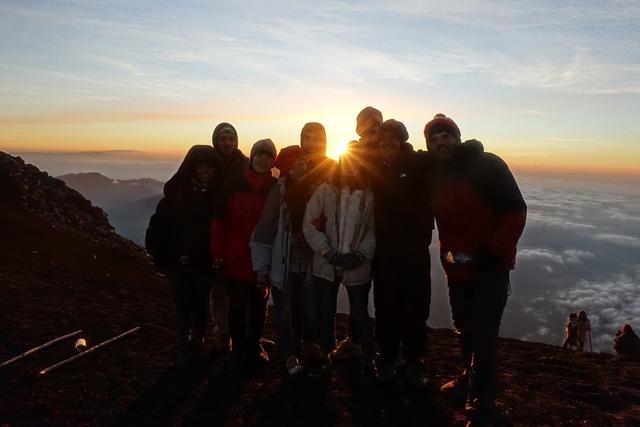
(456,389)
(368,369)
(221,344)
(346,349)
(386,372)
(312,352)
(480,415)
(415,376)
(261,357)
(293,365)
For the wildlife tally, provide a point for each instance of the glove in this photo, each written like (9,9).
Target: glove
(262,278)
(484,260)
(333,257)
(352,260)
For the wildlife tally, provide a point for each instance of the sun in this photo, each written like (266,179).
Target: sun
(336,149)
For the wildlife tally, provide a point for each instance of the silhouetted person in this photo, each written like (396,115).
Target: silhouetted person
(584,330)
(627,342)
(178,240)
(571,332)
(480,215)
(225,141)
(401,266)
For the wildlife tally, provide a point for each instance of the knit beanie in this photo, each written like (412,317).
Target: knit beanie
(363,119)
(397,128)
(313,126)
(223,127)
(264,146)
(441,123)
(287,157)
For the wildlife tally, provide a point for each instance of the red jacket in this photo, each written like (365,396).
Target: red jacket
(238,210)
(480,213)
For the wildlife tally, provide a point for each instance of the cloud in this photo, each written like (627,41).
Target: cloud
(618,239)
(576,256)
(538,253)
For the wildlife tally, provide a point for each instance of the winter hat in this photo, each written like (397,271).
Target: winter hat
(313,126)
(196,155)
(626,328)
(223,127)
(397,128)
(441,123)
(287,157)
(264,146)
(363,119)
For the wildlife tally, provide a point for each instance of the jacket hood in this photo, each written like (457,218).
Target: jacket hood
(219,129)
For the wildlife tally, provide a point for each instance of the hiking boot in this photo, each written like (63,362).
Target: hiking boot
(312,352)
(368,369)
(386,372)
(415,376)
(266,342)
(221,344)
(480,415)
(456,389)
(346,349)
(293,365)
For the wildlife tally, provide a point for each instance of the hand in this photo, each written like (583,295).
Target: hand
(262,278)
(218,265)
(352,260)
(333,257)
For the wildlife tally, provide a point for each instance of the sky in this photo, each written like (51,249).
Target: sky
(547,86)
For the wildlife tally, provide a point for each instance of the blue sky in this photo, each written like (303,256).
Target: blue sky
(539,83)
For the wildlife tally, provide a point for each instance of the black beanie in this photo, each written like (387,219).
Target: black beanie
(398,129)
(219,129)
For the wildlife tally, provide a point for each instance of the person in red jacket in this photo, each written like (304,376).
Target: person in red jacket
(480,214)
(240,204)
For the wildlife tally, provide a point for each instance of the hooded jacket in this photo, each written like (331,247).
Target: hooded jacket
(238,208)
(178,231)
(236,163)
(479,210)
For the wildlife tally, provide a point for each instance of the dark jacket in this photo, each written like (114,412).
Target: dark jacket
(402,212)
(479,210)
(627,343)
(178,231)
(238,209)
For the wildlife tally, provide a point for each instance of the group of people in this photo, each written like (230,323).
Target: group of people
(577,331)
(363,222)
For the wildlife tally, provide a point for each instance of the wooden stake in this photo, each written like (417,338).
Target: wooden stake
(88,351)
(38,348)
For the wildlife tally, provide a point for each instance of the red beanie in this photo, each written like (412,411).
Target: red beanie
(441,123)
(287,157)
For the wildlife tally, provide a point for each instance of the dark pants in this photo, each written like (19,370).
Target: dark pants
(190,292)
(289,307)
(402,299)
(327,293)
(247,315)
(476,307)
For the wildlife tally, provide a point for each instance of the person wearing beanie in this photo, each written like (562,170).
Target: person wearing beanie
(339,226)
(281,255)
(626,342)
(401,266)
(225,141)
(480,215)
(239,206)
(313,141)
(178,240)
(368,124)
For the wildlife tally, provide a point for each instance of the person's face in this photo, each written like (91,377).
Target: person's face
(298,170)
(262,162)
(351,171)
(205,172)
(227,143)
(442,145)
(313,143)
(371,126)
(389,146)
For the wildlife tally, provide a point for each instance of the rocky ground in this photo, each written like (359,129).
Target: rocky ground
(62,268)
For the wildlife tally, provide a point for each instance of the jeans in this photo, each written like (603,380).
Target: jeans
(326,295)
(247,315)
(190,292)
(358,304)
(476,307)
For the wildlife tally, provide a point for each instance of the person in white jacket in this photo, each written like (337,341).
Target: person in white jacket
(339,226)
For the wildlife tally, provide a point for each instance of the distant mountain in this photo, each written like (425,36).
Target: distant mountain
(129,203)
(107,192)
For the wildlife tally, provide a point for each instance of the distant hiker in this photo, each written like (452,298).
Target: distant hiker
(571,332)
(240,204)
(401,266)
(339,227)
(225,141)
(178,240)
(626,342)
(282,256)
(368,122)
(584,330)
(480,215)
